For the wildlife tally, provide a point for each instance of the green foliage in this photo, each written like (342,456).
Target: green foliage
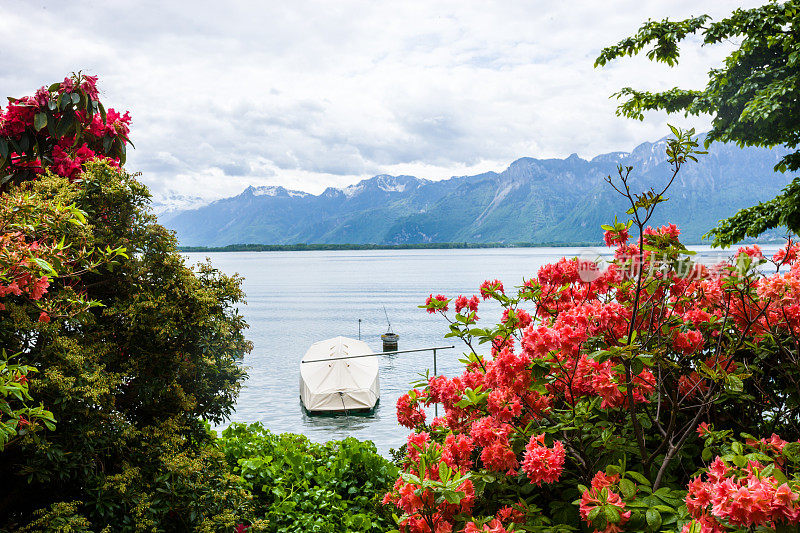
(301,486)
(130,381)
(781,211)
(754,98)
(17,417)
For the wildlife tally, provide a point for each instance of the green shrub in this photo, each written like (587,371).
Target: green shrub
(298,485)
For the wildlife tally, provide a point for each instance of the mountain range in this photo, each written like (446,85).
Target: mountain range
(555,201)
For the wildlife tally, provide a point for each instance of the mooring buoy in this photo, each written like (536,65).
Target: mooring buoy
(390,341)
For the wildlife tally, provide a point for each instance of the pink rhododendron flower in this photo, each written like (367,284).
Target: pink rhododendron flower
(495,526)
(742,498)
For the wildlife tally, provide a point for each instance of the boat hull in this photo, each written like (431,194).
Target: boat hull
(364,411)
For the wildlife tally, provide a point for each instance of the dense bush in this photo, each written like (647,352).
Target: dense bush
(300,486)
(127,349)
(657,395)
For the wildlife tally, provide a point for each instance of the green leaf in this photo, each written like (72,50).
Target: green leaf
(64,125)
(627,488)
(44,265)
(612,513)
(706,454)
(653,519)
(638,477)
(40,121)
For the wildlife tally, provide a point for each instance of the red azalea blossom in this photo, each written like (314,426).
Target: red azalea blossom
(543,464)
(571,350)
(437,298)
(596,496)
(703,429)
(495,526)
(752,251)
(409,414)
(488,287)
(741,497)
(614,237)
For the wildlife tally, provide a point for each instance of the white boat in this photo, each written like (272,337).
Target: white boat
(339,375)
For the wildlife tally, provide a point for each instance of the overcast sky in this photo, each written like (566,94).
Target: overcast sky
(315,94)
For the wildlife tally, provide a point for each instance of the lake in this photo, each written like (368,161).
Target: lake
(297,298)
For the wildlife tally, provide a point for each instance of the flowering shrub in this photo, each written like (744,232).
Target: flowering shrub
(60,128)
(127,348)
(583,414)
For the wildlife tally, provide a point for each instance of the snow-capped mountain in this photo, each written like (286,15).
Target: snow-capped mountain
(533,200)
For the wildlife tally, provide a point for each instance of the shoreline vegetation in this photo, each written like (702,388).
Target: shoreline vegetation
(300,247)
(417,246)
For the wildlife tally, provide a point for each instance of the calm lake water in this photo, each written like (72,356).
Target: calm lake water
(297,298)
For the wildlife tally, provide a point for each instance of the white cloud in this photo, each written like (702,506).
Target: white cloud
(315,94)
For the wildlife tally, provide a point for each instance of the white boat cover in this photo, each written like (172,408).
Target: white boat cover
(339,384)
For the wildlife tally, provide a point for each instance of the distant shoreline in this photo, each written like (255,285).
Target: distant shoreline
(422,246)
(419,246)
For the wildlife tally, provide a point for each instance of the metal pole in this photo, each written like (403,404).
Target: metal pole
(376,354)
(436,405)
(417,350)
(359,329)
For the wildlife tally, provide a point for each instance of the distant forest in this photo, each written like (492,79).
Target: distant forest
(418,246)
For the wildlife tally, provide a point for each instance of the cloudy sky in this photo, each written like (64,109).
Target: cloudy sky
(315,94)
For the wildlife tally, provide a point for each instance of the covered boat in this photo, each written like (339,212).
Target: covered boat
(339,375)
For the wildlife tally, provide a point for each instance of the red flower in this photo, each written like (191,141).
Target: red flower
(543,464)
(703,429)
(436,301)
(742,497)
(409,413)
(488,288)
(614,237)
(495,526)
(596,496)
(688,342)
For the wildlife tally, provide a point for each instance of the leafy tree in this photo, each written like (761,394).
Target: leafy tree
(136,351)
(754,97)
(38,131)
